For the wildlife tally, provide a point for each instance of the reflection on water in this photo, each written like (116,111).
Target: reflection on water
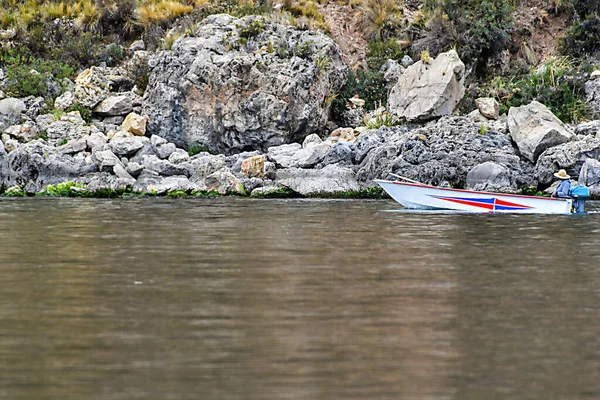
(292,299)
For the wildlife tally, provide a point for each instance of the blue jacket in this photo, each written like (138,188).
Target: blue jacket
(562,190)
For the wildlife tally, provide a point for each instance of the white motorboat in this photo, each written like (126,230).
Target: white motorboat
(426,197)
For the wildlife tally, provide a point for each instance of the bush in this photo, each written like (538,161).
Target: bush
(379,51)
(582,38)
(482,28)
(381,17)
(28,76)
(369,85)
(555,84)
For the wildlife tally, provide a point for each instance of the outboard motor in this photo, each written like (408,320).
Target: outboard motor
(579,194)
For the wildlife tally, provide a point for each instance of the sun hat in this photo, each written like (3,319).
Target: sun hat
(562,174)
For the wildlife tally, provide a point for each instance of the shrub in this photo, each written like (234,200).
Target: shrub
(582,38)
(84,112)
(254,28)
(369,85)
(555,84)
(379,16)
(28,76)
(379,51)
(380,118)
(482,28)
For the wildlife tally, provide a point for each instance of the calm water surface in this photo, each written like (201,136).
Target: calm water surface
(292,299)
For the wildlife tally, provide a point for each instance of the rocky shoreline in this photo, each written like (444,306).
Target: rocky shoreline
(243,106)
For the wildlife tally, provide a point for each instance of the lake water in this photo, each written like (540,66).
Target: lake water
(294,299)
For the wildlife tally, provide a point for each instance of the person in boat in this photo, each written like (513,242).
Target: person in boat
(562,190)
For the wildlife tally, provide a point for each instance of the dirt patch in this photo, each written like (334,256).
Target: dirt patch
(346,30)
(540,26)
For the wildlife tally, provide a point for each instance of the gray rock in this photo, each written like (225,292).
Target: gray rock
(115,105)
(10,144)
(148,150)
(73,146)
(150,183)
(569,156)
(489,176)
(588,128)
(64,101)
(392,71)
(592,94)
(94,84)
(250,184)
(309,156)
(366,142)
(12,106)
(331,179)
(44,121)
(590,176)
(35,108)
(23,133)
(442,153)
(311,141)
(35,165)
(224,182)
(214,90)
(264,191)
(166,150)
(134,169)
(104,181)
(207,165)
(270,170)
(95,140)
(488,107)
(122,173)
(179,156)
(534,129)
(128,146)
(70,127)
(282,155)
(352,117)
(136,46)
(406,61)
(157,140)
(340,152)
(10,112)
(113,121)
(427,91)
(107,160)
(163,167)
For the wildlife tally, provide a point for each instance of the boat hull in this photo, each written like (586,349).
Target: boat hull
(425,197)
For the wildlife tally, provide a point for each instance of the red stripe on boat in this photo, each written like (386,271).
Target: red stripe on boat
(468,202)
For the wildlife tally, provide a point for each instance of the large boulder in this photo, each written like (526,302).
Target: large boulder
(442,154)
(488,176)
(534,129)
(590,176)
(36,164)
(115,105)
(240,84)
(568,156)
(429,90)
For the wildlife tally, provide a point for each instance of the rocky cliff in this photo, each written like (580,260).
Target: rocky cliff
(243,84)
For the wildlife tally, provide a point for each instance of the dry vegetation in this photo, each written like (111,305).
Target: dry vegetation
(89,14)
